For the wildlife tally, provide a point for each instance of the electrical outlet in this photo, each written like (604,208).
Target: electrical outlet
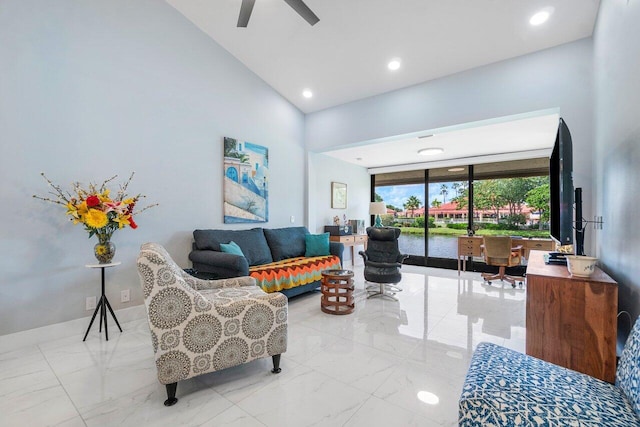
(124,295)
(90,303)
(292,219)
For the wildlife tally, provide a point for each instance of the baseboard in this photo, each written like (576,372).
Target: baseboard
(76,327)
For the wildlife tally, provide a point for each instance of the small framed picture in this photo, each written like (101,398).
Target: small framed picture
(338,195)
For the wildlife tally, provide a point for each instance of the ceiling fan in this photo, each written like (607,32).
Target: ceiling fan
(298,5)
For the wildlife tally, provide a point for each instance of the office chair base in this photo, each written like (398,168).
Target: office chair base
(488,277)
(383,290)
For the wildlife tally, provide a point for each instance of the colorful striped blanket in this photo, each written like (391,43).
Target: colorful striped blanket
(289,273)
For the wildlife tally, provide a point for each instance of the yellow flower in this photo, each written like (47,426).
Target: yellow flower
(82,209)
(101,249)
(104,197)
(95,218)
(122,220)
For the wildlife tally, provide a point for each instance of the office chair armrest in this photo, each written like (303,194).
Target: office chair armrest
(364,256)
(517,249)
(382,264)
(401,258)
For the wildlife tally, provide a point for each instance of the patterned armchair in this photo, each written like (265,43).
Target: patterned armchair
(200,326)
(507,388)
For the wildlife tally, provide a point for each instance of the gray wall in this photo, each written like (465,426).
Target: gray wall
(559,77)
(90,89)
(323,170)
(617,177)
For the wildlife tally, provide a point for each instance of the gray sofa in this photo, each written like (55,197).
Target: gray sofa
(274,257)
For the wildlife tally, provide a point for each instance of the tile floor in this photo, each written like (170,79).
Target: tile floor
(389,363)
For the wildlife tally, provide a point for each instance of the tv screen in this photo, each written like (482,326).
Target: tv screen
(561,187)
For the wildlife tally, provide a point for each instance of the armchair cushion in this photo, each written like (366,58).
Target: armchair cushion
(507,388)
(628,372)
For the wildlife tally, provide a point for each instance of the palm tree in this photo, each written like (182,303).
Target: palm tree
(412,204)
(456,187)
(444,190)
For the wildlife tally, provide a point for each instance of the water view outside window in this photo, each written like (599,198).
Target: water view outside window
(513,206)
(405,209)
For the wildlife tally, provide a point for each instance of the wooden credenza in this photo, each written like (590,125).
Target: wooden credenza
(351,241)
(471,246)
(571,321)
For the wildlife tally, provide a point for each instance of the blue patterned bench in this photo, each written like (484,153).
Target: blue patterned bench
(507,388)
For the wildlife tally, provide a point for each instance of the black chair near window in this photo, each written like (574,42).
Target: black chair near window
(382,262)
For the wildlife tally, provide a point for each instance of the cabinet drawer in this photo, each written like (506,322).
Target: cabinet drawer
(347,240)
(360,240)
(467,242)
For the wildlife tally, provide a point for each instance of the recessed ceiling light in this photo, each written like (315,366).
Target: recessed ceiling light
(307,93)
(541,17)
(394,64)
(455,169)
(430,151)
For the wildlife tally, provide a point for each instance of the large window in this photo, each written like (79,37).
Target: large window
(433,207)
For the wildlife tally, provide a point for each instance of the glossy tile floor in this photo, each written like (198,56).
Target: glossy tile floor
(389,363)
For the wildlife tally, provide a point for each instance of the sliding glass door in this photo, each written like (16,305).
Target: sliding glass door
(434,207)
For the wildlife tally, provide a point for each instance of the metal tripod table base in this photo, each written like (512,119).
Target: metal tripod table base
(103,305)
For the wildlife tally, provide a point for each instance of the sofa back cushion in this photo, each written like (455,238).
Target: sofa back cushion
(628,373)
(286,242)
(252,243)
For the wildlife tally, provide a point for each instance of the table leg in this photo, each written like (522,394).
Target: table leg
(91,323)
(104,310)
(112,313)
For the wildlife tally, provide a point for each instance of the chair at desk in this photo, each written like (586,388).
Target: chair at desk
(499,251)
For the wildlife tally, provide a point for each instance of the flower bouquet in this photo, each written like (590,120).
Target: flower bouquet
(98,211)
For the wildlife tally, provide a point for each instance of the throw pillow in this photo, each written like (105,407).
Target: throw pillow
(317,244)
(231,248)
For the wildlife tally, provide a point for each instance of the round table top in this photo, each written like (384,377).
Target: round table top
(337,273)
(111,264)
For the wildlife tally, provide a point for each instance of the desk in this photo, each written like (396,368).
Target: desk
(352,241)
(471,246)
(571,321)
(103,304)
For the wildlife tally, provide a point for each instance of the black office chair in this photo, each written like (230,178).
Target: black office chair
(382,262)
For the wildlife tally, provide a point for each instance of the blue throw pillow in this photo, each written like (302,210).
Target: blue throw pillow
(231,248)
(317,244)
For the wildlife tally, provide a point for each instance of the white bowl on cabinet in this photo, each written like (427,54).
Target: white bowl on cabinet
(581,266)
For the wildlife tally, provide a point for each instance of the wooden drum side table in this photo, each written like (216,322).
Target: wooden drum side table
(337,292)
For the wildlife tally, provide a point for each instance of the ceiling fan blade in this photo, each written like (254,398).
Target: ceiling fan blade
(304,11)
(245,12)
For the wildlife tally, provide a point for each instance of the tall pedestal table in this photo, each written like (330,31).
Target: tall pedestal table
(103,304)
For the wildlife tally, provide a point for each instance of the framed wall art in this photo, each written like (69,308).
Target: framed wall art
(338,195)
(246,182)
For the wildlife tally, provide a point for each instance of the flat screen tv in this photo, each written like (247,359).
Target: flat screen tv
(561,187)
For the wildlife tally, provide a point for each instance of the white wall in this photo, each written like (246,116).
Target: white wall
(93,89)
(559,77)
(617,143)
(322,171)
